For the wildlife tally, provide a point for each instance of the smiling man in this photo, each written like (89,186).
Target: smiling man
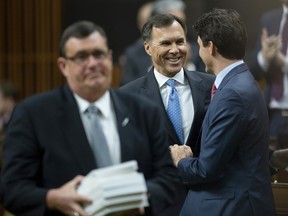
(52,141)
(183,95)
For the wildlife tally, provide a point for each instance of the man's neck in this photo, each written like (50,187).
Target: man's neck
(223,63)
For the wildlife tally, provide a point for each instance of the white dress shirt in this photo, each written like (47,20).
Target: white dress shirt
(107,121)
(185,98)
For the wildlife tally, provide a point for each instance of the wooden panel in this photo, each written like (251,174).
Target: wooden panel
(280,191)
(14,38)
(57,77)
(43,42)
(116,78)
(29,38)
(29,48)
(2,40)
(29,45)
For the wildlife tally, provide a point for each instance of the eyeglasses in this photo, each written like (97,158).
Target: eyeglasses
(83,56)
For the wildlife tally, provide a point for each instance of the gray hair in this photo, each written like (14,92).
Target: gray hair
(163,6)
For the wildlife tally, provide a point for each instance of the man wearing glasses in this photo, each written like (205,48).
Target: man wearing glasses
(51,143)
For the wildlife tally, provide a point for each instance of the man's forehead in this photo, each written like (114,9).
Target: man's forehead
(91,42)
(165,31)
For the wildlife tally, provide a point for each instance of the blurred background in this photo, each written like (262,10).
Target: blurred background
(30,32)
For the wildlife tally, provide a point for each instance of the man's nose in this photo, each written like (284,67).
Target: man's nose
(174,48)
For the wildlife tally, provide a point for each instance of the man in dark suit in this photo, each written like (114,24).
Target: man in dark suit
(165,41)
(48,142)
(271,64)
(231,174)
(8,100)
(136,61)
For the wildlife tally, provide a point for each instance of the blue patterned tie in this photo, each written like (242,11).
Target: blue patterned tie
(97,138)
(174,111)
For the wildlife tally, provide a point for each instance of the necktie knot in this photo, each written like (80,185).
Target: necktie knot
(171,83)
(92,109)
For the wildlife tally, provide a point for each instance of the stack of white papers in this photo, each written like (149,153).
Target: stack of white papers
(114,189)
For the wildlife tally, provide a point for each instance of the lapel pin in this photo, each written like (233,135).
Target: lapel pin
(125,122)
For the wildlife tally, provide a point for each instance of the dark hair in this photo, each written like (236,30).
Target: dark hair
(80,29)
(158,21)
(8,90)
(225,29)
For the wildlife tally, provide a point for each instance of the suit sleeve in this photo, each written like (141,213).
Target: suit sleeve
(222,128)
(22,161)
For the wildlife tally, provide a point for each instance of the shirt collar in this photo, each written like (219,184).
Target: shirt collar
(103,103)
(161,79)
(225,71)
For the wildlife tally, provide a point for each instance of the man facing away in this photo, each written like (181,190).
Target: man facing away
(231,174)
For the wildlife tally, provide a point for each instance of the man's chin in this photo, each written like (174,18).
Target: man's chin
(173,72)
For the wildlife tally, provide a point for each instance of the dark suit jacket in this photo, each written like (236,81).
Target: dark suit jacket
(46,146)
(200,84)
(231,175)
(137,62)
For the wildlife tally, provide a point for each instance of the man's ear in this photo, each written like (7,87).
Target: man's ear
(62,65)
(212,48)
(147,48)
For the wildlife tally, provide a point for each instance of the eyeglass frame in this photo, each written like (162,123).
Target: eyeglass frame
(82,57)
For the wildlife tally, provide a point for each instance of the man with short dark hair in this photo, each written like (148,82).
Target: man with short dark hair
(165,42)
(51,144)
(231,174)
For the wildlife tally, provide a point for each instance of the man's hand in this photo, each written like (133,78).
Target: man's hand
(271,46)
(66,199)
(180,151)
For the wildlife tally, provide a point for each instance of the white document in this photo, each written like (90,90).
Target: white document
(115,188)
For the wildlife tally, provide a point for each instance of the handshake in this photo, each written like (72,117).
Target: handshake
(179,152)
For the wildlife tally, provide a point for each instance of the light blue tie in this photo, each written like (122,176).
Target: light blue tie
(98,141)
(174,111)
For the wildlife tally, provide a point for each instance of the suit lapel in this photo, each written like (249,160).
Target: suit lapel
(199,103)
(123,126)
(73,129)
(151,89)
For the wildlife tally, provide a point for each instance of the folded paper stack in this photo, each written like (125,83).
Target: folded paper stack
(114,189)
